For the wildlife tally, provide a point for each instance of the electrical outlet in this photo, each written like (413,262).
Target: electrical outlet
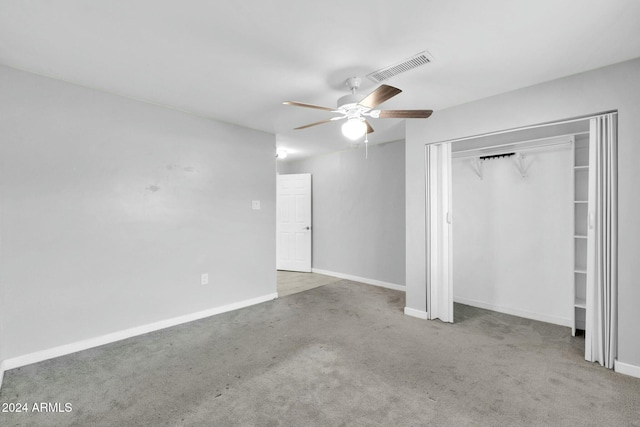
(204,279)
(255,205)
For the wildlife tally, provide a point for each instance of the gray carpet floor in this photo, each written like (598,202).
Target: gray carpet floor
(340,354)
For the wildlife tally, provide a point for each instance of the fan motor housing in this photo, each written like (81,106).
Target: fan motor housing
(348,101)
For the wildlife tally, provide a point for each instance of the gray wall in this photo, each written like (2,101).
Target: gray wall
(358,211)
(112,208)
(614,87)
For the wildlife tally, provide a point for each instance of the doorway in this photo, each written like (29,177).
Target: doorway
(293,222)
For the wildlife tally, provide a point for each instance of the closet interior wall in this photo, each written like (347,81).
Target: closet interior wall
(513,234)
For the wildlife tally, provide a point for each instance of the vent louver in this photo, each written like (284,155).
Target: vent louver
(415,61)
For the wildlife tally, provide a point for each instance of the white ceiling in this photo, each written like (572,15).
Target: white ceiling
(237,61)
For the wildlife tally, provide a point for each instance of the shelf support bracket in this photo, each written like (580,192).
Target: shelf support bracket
(521,164)
(476,165)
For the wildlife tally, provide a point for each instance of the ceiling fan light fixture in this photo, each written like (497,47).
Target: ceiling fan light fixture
(354,128)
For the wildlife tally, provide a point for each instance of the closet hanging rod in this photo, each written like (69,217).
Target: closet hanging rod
(479,152)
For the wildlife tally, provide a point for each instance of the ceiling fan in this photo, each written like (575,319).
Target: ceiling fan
(356,110)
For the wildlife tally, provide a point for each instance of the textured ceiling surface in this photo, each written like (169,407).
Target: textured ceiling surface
(237,61)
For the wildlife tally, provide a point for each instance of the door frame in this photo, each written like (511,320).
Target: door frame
(309,226)
(438,290)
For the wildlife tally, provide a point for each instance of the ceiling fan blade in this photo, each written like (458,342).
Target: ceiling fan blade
(314,124)
(300,104)
(378,96)
(369,128)
(405,114)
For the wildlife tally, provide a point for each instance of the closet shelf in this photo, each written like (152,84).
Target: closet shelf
(581,194)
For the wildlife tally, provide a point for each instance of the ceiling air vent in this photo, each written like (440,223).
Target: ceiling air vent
(415,61)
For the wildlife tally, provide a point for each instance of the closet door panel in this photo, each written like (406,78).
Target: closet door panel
(591,249)
(438,224)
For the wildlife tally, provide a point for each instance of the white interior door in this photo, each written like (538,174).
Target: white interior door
(438,225)
(293,226)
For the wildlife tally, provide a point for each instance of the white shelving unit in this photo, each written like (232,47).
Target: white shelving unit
(580,215)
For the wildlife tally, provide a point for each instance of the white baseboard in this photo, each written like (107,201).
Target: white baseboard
(360,279)
(626,369)
(515,312)
(62,350)
(415,313)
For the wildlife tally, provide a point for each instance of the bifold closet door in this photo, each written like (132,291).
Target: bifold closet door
(602,234)
(438,227)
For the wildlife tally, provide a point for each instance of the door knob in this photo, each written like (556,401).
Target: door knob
(307,228)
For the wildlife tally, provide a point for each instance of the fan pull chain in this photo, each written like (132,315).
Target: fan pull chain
(366,146)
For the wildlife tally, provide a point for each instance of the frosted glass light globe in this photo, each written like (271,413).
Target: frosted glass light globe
(354,128)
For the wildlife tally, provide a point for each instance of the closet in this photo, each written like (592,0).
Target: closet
(524,221)
(513,228)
